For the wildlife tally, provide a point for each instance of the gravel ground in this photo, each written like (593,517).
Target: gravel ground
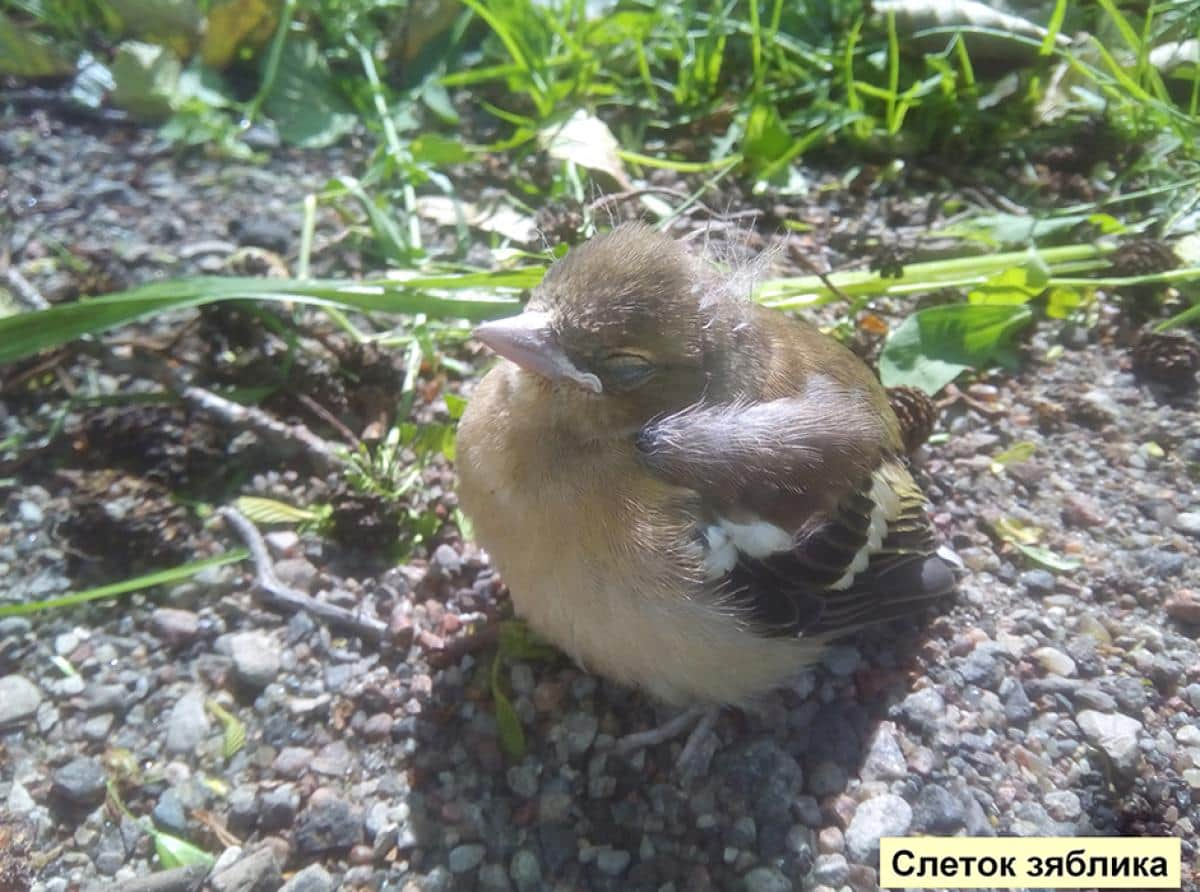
(1039,704)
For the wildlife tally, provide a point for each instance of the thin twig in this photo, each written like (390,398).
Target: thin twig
(955,395)
(262,423)
(330,419)
(143,364)
(274,594)
(22,289)
(823,276)
(177,879)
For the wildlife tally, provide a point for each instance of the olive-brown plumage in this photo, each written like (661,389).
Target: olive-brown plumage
(685,491)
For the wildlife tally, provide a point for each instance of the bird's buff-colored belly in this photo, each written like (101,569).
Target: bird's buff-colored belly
(630,608)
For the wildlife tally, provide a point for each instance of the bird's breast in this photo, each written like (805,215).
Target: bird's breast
(605,560)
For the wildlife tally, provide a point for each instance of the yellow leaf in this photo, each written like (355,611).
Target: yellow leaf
(237,24)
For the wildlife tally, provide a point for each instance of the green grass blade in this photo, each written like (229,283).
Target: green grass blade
(1050,41)
(160,577)
(26,333)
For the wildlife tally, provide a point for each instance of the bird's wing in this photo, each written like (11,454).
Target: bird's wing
(810,524)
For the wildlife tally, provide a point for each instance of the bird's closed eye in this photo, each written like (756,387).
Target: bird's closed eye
(624,371)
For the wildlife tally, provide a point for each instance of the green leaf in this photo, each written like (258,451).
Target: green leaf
(175,852)
(388,232)
(146,80)
(766,139)
(519,642)
(437,99)
(1016,532)
(1015,454)
(433,148)
(1047,559)
(508,723)
(1013,230)
(162,577)
(1011,287)
(235,731)
(24,334)
(933,346)
(261,510)
(25,54)
(455,405)
(1062,302)
(305,106)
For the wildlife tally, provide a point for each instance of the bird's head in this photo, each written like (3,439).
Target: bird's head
(620,330)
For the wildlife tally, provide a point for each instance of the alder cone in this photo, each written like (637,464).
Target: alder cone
(916,413)
(1170,358)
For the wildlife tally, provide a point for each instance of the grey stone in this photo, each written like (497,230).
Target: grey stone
(110,855)
(256,872)
(334,759)
(831,870)
(168,813)
(174,627)
(1132,694)
(825,778)
(492,878)
(449,560)
(243,809)
(465,858)
(983,666)
(19,801)
(80,782)
(559,845)
(580,729)
(1063,805)
(437,880)
(188,724)
(613,862)
(526,871)
(19,699)
(1193,694)
(884,761)
(1115,734)
(30,514)
(923,709)
(256,658)
(98,727)
(277,808)
(1189,523)
(1089,696)
(297,573)
(766,879)
(1164,564)
(767,779)
(292,762)
(886,815)
(841,660)
(328,824)
(1055,661)
(938,811)
(523,779)
(313,878)
(1038,582)
(1017,708)
(744,833)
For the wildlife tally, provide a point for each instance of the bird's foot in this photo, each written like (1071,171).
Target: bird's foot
(697,750)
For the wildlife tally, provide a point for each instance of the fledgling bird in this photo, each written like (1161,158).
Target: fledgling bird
(685,491)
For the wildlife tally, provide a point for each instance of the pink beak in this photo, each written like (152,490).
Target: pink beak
(529,341)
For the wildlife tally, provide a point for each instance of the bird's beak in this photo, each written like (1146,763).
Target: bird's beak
(529,341)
